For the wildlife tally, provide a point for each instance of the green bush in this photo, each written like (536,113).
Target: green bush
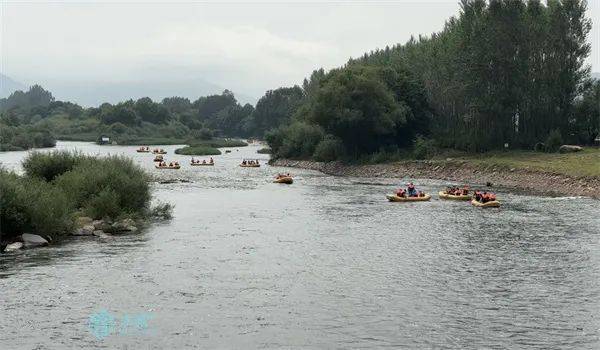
(300,141)
(423,148)
(104,204)
(198,151)
(553,141)
(34,206)
(92,183)
(329,149)
(48,166)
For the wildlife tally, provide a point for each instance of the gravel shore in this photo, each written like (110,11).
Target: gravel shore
(462,172)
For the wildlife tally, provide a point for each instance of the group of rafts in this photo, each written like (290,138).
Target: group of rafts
(160,163)
(410,194)
(478,198)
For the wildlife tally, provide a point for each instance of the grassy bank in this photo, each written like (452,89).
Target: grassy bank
(198,151)
(580,164)
(58,187)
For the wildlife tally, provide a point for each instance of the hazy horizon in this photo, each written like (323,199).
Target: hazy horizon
(204,47)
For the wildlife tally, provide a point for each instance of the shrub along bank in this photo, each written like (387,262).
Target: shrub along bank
(59,188)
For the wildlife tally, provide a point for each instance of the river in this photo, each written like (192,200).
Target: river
(324,263)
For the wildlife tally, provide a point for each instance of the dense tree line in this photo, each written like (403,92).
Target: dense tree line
(173,118)
(503,72)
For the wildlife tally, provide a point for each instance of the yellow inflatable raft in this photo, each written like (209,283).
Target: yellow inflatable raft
(395,198)
(444,195)
(492,204)
(202,164)
(159,152)
(284,180)
(250,165)
(168,167)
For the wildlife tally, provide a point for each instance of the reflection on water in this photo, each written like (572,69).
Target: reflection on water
(324,263)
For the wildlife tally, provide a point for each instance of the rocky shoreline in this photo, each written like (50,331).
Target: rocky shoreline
(527,180)
(84,226)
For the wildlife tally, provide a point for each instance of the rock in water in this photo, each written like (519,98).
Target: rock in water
(101,234)
(30,240)
(13,246)
(86,230)
(125,225)
(570,149)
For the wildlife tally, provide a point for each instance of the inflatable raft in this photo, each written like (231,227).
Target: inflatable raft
(159,152)
(395,198)
(250,165)
(284,180)
(444,195)
(492,204)
(168,167)
(142,150)
(202,164)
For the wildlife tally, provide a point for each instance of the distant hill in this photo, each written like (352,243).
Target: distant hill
(8,86)
(93,94)
(596,75)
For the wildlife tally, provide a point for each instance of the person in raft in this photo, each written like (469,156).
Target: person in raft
(484,197)
(412,190)
(401,193)
(211,160)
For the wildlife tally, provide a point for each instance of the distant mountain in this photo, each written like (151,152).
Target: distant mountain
(93,94)
(8,86)
(596,75)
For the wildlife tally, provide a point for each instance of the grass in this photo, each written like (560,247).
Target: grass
(198,151)
(580,164)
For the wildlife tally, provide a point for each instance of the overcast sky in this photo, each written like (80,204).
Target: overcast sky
(247,47)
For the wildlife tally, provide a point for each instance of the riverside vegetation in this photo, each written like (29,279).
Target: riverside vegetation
(61,193)
(501,75)
(35,119)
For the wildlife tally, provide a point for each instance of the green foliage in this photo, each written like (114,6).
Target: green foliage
(174,120)
(18,138)
(274,109)
(553,141)
(59,185)
(198,151)
(92,182)
(329,149)
(104,204)
(48,166)
(32,205)
(36,96)
(299,140)
(423,148)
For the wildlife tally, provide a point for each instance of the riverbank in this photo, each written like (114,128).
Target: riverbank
(525,176)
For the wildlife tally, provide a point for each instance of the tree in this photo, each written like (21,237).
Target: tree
(275,108)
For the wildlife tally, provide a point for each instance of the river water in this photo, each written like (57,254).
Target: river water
(324,263)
